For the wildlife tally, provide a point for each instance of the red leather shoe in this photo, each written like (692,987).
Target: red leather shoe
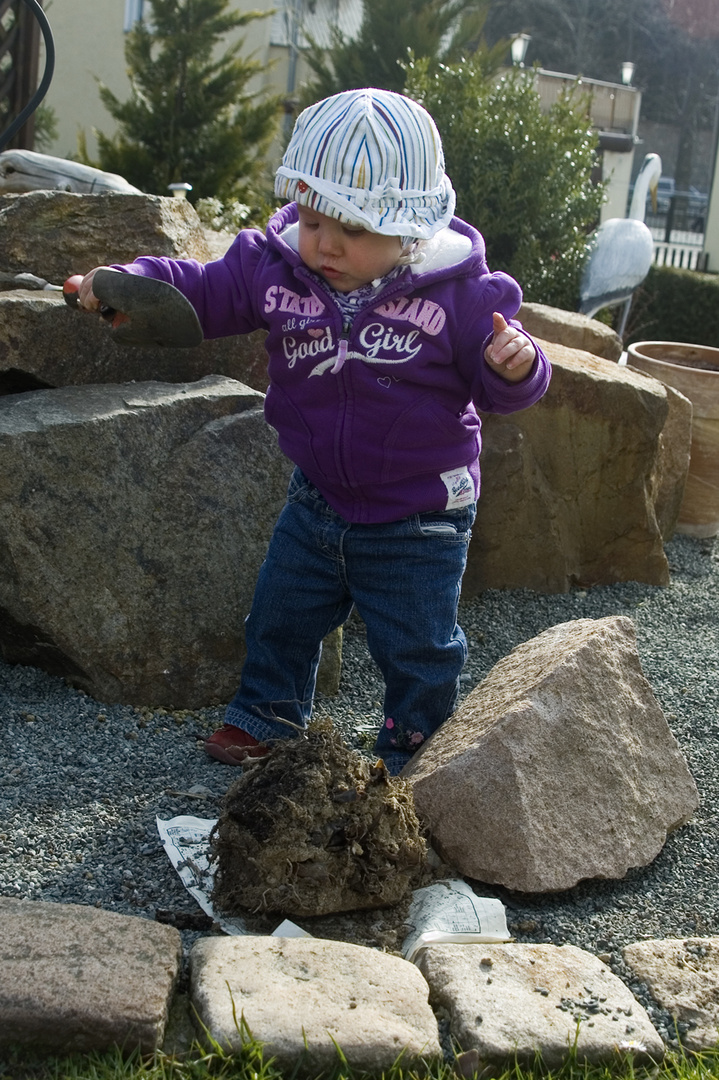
(233,746)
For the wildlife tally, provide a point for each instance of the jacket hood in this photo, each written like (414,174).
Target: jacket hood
(458,249)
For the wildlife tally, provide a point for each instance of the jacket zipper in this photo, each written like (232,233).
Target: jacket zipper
(342,349)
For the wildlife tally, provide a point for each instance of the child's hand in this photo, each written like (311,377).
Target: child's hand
(510,352)
(85,295)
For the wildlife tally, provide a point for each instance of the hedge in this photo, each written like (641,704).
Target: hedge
(676,305)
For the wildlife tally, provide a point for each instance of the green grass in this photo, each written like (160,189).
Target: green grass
(216,1064)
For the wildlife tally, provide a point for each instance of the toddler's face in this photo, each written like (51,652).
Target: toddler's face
(346,256)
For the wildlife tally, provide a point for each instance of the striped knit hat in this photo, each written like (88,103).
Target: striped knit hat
(370,157)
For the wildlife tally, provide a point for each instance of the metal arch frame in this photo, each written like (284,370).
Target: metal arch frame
(42,89)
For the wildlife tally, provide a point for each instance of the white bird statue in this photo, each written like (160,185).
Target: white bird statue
(622,250)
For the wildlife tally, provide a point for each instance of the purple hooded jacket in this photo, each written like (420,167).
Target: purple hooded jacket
(383,420)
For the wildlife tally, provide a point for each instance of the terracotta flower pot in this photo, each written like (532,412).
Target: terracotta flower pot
(693,370)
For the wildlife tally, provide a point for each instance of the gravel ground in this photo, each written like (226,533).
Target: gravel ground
(81,782)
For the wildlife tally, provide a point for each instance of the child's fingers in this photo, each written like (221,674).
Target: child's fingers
(506,342)
(504,334)
(499,322)
(509,348)
(86,296)
(524,353)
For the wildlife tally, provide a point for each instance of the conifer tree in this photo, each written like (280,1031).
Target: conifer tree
(189,117)
(391,31)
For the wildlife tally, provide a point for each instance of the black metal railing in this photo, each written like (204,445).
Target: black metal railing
(680,212)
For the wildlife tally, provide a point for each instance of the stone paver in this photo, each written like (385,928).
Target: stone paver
(77,978)
(683,976)
(526,999)
(296,993)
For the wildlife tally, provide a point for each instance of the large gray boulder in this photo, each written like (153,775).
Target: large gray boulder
(54,234)
(44,344)
(572,329)
(583,487)
(134,522)
(559,766)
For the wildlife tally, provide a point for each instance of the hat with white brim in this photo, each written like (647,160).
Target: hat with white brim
(370,157)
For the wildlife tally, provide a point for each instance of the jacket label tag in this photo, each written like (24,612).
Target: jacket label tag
(460,489)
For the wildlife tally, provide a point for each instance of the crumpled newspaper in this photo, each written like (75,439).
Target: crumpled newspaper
(450,911)
(186,840)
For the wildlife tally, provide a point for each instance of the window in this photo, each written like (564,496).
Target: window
(133,13)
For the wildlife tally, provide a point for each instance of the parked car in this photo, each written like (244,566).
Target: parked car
(665,191)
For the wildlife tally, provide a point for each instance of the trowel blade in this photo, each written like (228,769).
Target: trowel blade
(157,313)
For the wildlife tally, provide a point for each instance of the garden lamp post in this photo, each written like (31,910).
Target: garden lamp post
(627,72)
(519,48)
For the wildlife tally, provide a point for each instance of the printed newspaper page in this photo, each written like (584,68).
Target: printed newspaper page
(449,911)
(186,840)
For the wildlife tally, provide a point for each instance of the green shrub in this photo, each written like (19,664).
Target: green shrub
(233,216)
(676,305)
(440,30)
(522,177)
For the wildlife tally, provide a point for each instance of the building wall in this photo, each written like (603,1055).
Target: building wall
(89,44)
(90,40)
(613,110)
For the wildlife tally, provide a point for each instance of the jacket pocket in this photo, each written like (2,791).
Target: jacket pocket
(427,438)
(295,436)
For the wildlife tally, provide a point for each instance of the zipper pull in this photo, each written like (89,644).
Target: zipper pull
(341,356)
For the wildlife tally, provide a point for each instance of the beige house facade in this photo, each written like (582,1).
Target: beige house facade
(89,38)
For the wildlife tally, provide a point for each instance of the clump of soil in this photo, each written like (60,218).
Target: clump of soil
(315,828)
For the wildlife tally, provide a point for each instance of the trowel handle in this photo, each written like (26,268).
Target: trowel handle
(71,295)
(71,289)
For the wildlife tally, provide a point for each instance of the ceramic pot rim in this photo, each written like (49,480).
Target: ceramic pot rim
(637,350)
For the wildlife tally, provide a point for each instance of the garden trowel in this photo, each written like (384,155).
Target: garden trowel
(141,310)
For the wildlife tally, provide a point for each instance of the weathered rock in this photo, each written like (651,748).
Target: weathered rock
(582,487)
(571,329)
(507,1000)
(559,766)
(301,996)
(54,234)
(683,977)
(670,476)
(569,487)
(45,344)
(134,521)
(76,978)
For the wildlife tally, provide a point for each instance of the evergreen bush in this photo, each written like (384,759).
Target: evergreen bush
(676,305)
(522,177)
(391,31)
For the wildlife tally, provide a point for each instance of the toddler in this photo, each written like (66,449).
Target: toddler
(386,333)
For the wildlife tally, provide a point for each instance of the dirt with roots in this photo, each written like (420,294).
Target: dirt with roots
(315,828)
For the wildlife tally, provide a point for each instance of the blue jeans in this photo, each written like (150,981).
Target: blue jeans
(404,578)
